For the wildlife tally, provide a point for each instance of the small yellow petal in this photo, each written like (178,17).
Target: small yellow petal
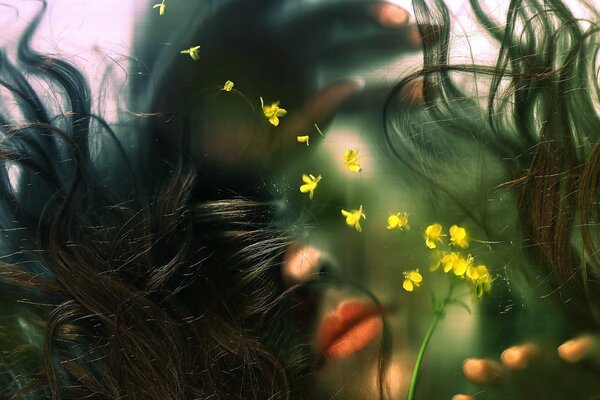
(408,285)
(415,276)
(302,139)
(228,86)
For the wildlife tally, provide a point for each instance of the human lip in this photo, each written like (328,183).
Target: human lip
(352,327)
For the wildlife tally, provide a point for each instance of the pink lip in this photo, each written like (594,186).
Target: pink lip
(352,327)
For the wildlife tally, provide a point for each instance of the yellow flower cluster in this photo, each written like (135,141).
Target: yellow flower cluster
(461,266)
(434,234)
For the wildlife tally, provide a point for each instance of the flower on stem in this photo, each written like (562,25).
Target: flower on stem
(194,52)
(456,263)
(273,112)
(480,279)
(351,160)
(310,184)
(161,8)
(353,218)
(228,86)
(412,279)
(448,260)
(433,234)
(398,221)
(458,236)
(302,139)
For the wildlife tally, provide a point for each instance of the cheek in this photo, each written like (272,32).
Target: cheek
(300,263)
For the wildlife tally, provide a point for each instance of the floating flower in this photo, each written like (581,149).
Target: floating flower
(412,279)
(351,160)
(161,8)
(228,86)
(353,218)
(310,184)
(398,221)
(272,112)
(480,278)
(458,236)
(433,234)
(194,52)
(302,139)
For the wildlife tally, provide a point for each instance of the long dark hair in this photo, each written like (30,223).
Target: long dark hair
(117,281)
(532,117)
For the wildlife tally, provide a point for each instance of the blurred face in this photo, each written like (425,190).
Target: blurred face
(332,82)
(356,278)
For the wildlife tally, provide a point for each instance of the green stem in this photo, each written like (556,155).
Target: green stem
(438,315)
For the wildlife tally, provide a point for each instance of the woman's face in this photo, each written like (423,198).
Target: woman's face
(357,278)
(334,79)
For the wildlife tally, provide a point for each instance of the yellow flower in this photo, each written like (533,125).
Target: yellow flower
(412,279)
(351,160)
(448,261)
(480,278)
(194,52)
(353,218)
(461,265)
(433,234)
(272,112)
(161,8)
(310,184)
(302,139)
(456,263)
(228,86)
(399,221)
(458,236)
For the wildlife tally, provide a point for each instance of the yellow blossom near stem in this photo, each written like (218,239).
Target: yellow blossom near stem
(273,112)
(161,8)
(353,218)
(398,221)
(461,265)
(448,260)
(412,280)
(480,279)
(458,236)
(302,139)
(351,160)
(433,234)
(228,86)
(310,184)
(194,52)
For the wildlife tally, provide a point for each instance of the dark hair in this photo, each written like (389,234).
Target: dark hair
(533,121)
(117,280)
(131,271)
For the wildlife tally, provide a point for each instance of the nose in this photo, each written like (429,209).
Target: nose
(300,264)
